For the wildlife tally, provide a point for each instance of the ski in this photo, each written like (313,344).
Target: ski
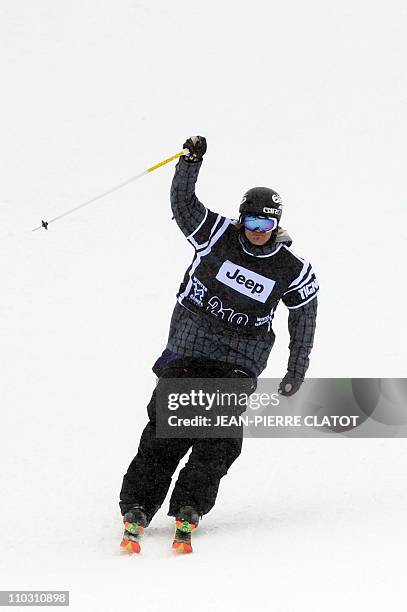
(135,521)
(182,537)
(131,537)
(185,522)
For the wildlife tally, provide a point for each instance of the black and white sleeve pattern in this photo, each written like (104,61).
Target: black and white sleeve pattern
(303,289)
(197,222)
(301,325)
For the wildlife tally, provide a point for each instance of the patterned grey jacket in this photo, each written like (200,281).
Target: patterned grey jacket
(200,335)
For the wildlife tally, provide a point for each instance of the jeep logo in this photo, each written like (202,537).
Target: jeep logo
(247,282)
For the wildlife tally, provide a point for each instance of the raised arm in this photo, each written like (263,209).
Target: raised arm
(188,211)
(198,223)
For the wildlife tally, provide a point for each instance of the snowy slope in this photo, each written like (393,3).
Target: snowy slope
(308,98)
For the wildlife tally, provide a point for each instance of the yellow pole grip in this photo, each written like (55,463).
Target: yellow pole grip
(166,161)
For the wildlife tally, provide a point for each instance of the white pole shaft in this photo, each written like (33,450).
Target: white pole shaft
(98,197)
(45,224)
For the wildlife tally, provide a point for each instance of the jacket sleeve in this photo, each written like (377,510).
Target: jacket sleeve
(301,325)
(197,222)
(303,288)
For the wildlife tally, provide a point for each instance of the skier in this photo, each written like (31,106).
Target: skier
(221,327)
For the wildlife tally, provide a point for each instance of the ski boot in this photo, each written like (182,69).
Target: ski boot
(135,521)
(186,521)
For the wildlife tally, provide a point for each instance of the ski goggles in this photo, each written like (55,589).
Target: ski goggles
(260,224)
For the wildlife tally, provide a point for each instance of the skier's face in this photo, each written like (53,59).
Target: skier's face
(257,238)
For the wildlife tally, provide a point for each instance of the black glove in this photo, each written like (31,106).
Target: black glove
(196,146)
(289,385)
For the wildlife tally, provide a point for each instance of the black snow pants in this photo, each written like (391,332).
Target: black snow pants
(148,477)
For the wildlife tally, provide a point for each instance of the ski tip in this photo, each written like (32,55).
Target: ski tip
(182,547)
(130,546)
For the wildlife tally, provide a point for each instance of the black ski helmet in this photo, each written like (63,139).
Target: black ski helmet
(263,202)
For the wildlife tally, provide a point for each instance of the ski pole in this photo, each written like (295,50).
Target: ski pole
(45,224)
